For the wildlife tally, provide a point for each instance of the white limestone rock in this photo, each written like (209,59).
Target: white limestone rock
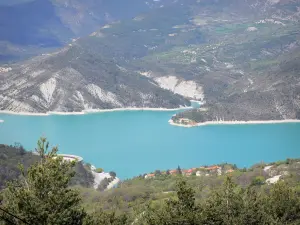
(47,89)
(273,180)
(108,97)
(185,88)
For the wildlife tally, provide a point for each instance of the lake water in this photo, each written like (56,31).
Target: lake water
(136,142)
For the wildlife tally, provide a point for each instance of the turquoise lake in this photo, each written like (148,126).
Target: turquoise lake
(136,142)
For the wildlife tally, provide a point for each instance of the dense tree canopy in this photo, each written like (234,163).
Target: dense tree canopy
(228,205)
(43,195)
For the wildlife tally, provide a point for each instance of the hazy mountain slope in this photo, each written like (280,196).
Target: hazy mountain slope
(31,23)
(28,26)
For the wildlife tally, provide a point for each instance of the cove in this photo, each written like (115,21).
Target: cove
(136,142)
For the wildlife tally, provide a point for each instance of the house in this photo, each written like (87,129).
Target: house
(217,169)
(173,172)
(188,172)
(212,168)
(229,171)
(150,175)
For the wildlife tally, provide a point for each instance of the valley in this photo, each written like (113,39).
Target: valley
(241,59)
(114,85)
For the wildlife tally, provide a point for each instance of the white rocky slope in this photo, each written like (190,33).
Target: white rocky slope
(61,82)
(98,177)
(182,87)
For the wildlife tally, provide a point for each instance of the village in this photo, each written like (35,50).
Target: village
(201,171)
(185,122)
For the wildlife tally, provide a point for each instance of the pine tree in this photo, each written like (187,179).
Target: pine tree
(224,206)
(179,211)
(106,218)
(178,171)
(42,195)
(253,211)
(284,204)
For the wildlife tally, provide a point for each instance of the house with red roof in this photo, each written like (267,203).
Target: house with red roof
(173,172)
(212,168)
(229,171)
(217,169)
(188,172)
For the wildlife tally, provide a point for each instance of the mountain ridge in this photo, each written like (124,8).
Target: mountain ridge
(227,53)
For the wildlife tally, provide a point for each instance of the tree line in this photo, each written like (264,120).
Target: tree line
(42,196)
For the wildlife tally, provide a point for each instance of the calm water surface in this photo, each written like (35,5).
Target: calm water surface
(136,142)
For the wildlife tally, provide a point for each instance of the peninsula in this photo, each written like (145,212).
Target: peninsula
(221,113)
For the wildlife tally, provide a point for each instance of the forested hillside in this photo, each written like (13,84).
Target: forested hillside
(262,194)
(11,157)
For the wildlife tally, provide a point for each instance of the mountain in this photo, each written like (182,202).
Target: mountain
(240,57)
(74,79)
(29,27)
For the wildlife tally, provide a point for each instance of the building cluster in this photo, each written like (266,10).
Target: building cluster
(201,171)
(186,121)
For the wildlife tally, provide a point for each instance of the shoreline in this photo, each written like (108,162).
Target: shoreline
(212,123)
(198,101)
(91,111)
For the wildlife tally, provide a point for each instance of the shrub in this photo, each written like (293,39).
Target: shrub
(259,180)
(112,173)
(157,172)
(99,170)
(243,170)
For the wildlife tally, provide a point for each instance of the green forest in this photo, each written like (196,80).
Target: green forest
(49,190)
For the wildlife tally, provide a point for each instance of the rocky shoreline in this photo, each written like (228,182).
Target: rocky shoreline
(93,111)
(208,123)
